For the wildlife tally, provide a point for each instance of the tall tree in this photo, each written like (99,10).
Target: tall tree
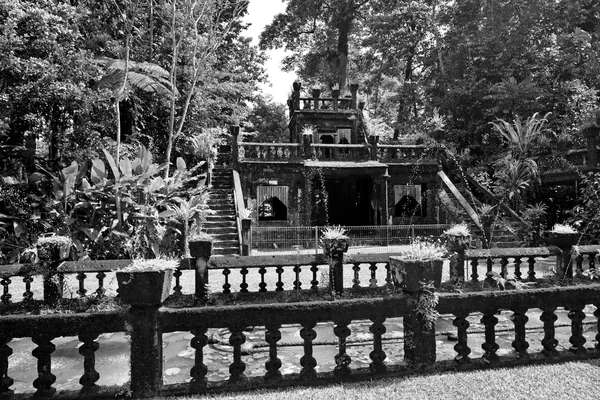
(319,33)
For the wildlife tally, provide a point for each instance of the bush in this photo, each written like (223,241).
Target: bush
(586,214)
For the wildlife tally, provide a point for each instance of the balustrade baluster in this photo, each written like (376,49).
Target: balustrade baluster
(297,283)
(5,298)
(504,267)
(199,370)
(377,355)
(177,288)
(474,275)
(81,278)
(388,275)
(226,285)
(490,347)
(518,268)
(262,285)
(519,318)
(5,380)
(462,348)
(237,367)
(373,280)
(489,268)
(88,351)
(592,261)
(244,284)
(100,291)
(356,280)
(597,315)
(549,341)
(579,265)
(279,152)
(531,272)
(279,283)
(28,295)
(342,359)
(577,340)
(314,283)
(43,351)
(272,336)
(308,362)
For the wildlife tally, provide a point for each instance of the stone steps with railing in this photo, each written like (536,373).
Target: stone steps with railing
(222,224)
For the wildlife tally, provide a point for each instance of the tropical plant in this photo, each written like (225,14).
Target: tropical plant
(563,228)
(523,136)
(461,229)
(586,214)
(421,249)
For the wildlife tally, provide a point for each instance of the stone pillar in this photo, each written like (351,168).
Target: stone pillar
(146,351)
(316,93)
(374,142)
(354,93)
(200,251)
(384,191)
(308,150)
(419,337)
(246,225)
(591,134)
(335,93)
(296,96)
(234,130)
(334,249)
(52,251)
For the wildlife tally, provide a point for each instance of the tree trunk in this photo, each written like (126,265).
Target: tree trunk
(344,27)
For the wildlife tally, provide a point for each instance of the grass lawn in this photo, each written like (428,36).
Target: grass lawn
(577,380)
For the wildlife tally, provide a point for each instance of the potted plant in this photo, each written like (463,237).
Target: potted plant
(146,281)
(458,237)
(562,235)
(439,123)
(334,239)
(421,262)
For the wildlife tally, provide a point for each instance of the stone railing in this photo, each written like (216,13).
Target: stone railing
(341,152)
(147,324)
(392,153)
(269,151)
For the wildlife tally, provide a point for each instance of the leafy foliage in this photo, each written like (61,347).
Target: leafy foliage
(586,215)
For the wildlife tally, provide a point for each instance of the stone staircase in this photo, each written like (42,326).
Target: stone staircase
(502,236)
(222,224)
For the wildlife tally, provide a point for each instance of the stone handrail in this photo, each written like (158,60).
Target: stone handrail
(403,153)
(240,206)
(269,151)
(341,152)
(458,196)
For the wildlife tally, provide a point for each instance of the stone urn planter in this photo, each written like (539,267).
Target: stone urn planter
(333,246)
(146,282)
(561,239)
(201,248)
(438,134)
(409,274)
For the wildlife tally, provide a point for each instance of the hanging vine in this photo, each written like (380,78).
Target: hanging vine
(313,197)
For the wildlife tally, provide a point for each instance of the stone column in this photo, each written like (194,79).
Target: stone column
(52,251)
(335,93)
(246,226)
(201,251)
(296,96)
(316,93)
(146,350)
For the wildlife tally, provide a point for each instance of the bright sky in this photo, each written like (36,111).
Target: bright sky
(260,13)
